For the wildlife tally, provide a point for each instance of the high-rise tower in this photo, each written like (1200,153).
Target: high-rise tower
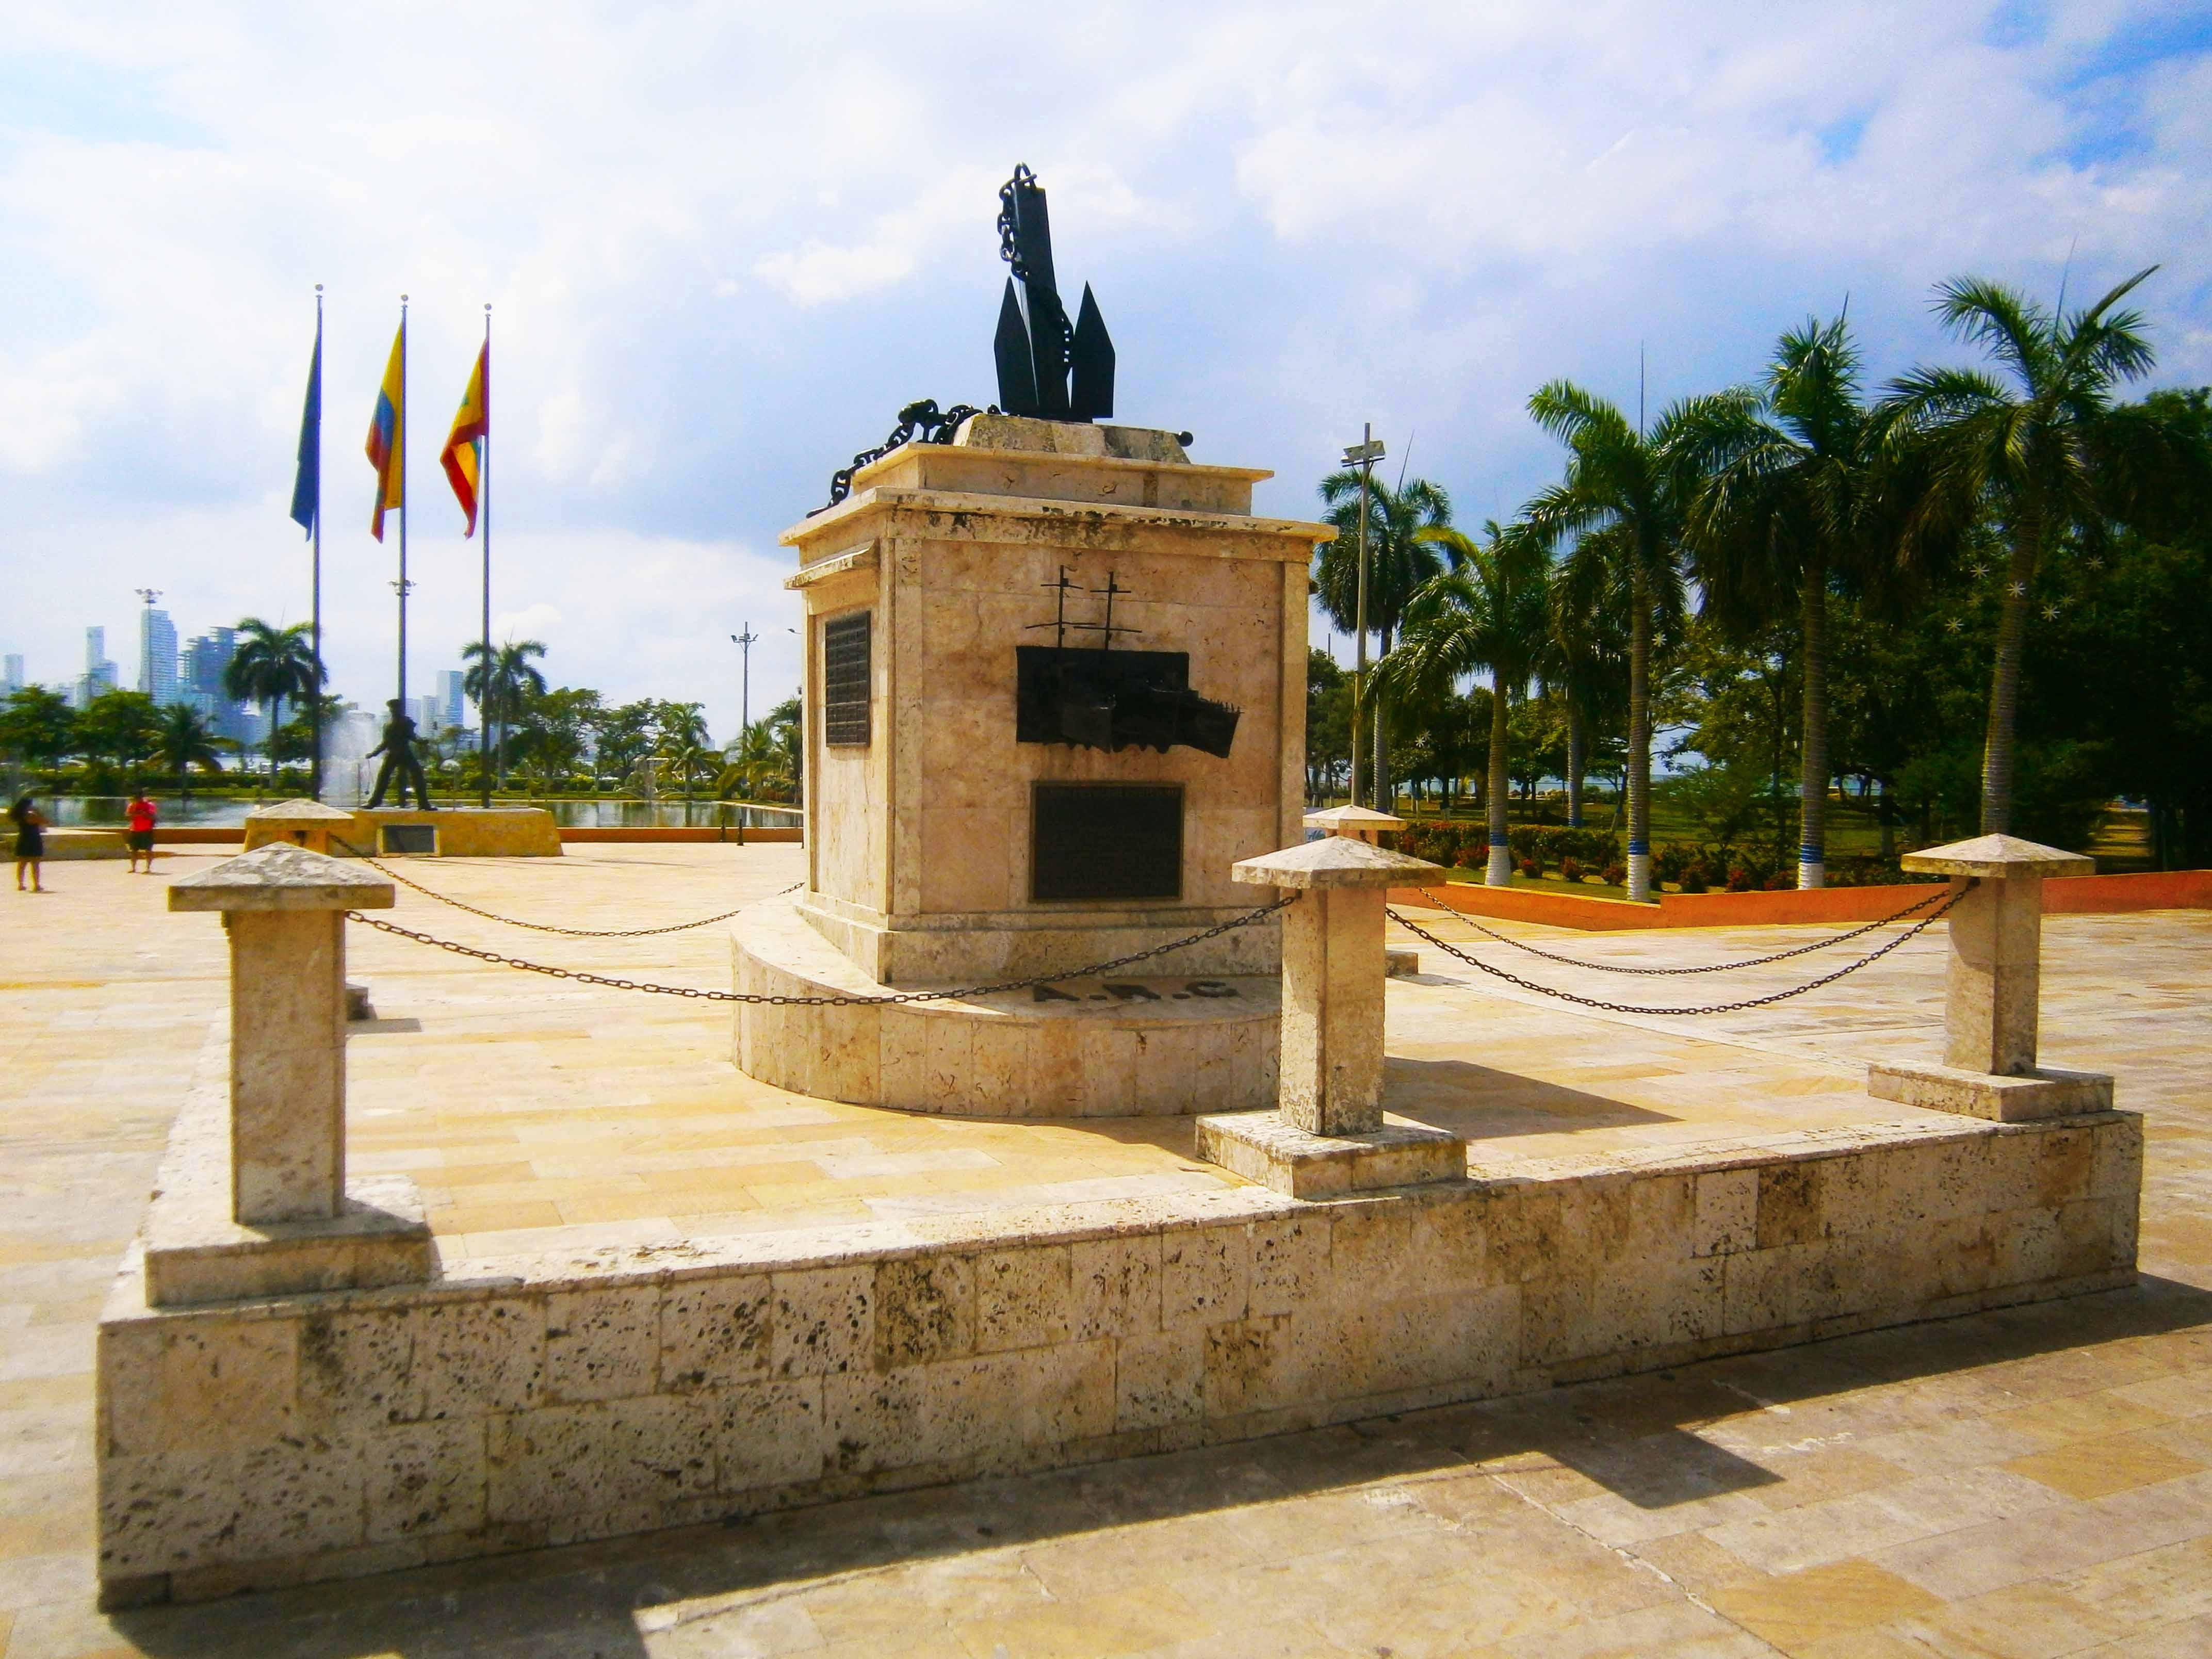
(157,656)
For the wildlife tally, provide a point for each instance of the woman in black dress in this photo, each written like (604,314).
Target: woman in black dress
(30,842)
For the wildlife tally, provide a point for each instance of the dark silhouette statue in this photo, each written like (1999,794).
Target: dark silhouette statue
(400,760)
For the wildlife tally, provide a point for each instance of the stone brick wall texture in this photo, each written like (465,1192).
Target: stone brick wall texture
(251,1445)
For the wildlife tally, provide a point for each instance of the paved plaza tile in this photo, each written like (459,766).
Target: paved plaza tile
(2029,1482)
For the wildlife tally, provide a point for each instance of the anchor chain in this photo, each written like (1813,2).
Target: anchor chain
(1713,967)
(1868,960)
(547,927)
(700,994)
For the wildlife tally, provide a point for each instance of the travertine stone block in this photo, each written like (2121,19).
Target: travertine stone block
(1290,1263)
(1727,1207)
(714,1332)
(825,1319)
(2039,1093)
(1024,1298)
(471,1359)
(769,1434)
(925,1310)
(424,1479)
(602,1344)
(1115,1283)
(1205,1275)
(1160,1379)
(1262,1147)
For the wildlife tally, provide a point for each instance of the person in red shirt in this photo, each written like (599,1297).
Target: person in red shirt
(141,813)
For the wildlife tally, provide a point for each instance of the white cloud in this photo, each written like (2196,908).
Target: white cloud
(535,622)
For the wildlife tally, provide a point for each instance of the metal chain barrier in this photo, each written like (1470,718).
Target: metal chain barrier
(1934,893)
(1867,961)
(697,993)
(546,927)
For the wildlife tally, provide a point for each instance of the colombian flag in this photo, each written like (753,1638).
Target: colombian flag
(386,430)
(472,426)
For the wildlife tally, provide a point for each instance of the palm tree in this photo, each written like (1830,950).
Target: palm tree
(756,766)
(1631,488)
(1798,497)
(501,681)
(183,742)
(1398,561)
(272,664)
(1488,612)
(1583,663)
(787,723)
(2041,447)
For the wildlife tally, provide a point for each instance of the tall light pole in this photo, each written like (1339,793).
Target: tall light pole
(1363,455)
(744,643)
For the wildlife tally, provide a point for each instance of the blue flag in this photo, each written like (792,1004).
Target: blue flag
(307,484)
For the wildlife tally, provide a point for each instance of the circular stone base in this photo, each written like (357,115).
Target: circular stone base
(1124,1046)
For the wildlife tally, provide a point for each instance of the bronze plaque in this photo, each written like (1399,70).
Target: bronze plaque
(1105,840)
(846,680)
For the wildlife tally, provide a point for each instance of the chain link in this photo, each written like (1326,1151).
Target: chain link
(700,994)
(1934,894)
(1868,960)
(546,927)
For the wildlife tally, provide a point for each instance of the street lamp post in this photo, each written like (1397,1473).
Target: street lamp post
(1363,455)
(744,643)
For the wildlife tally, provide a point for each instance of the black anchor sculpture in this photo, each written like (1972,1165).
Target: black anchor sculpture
(1038,353)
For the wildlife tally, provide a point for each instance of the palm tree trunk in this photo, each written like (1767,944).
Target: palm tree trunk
(276,719)
(1574,765)
(2004,689)
(1639,747)
(1813,763)
(1500,871)
(1886,810)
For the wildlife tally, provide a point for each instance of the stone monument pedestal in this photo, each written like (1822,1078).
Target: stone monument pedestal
(1327,1134)
(1055,688)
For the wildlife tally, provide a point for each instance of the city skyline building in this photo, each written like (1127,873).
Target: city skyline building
(452,700)
(99,673)
(204,659)
(157,656)
(11,672)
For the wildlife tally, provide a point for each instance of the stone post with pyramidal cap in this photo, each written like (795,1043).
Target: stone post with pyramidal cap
(1992,987)
(1328,1134)
(286,1219)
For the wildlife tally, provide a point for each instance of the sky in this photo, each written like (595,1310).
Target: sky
(723,244)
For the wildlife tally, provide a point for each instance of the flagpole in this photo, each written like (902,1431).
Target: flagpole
(400,438)
(483,489)
(315,708)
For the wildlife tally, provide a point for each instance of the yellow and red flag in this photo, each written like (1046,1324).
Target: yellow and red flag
(462,456)
(386,427)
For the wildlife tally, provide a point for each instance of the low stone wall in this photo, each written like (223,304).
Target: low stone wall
(751,834)
(67,845)
(583,1394)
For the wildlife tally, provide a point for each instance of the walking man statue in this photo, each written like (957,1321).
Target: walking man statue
(400,760)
